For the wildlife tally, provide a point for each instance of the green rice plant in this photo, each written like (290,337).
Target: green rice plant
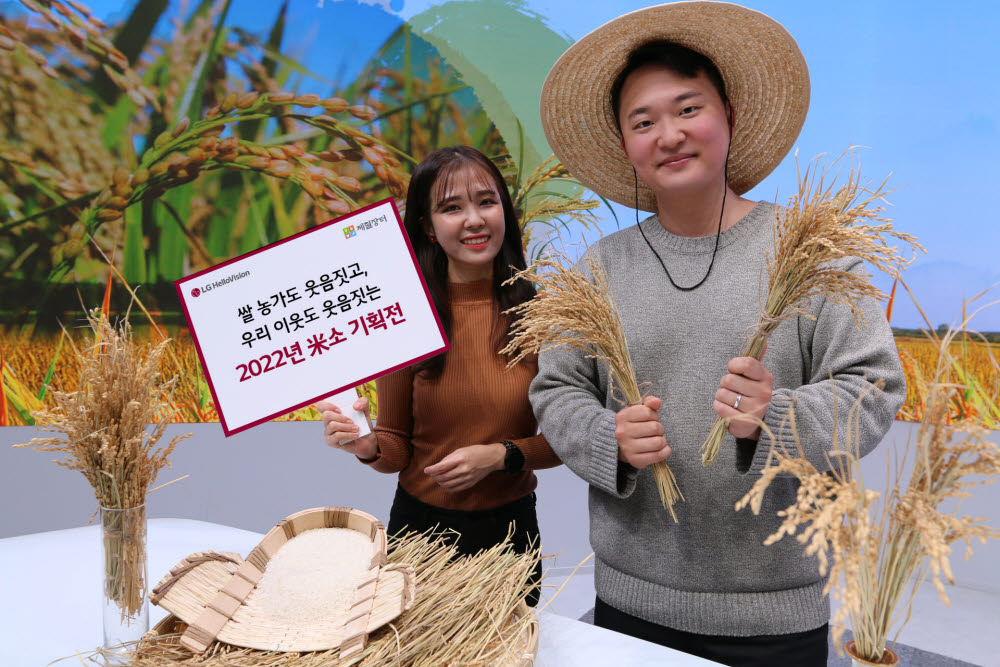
(135,156)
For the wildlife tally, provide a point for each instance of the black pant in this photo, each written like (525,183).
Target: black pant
(477,529)
(800,649)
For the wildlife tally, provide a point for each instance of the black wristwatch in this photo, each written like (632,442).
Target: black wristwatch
(513,460)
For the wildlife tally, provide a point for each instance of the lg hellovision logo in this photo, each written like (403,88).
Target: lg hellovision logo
(208,287)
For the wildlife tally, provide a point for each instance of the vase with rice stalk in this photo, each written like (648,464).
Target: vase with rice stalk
(124,600)
(875,547)
(102,429)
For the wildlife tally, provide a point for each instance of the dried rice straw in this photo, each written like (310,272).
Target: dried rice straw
(878,549)
(570,310)
(103,425)
(820,227)
(467,611)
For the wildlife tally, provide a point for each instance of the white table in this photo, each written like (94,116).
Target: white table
(50,599)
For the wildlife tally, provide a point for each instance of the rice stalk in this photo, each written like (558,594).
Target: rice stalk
(48,133)
(103,435)
(548,170)
(181,52)
(819,227)
(570,310)
(84,32)
(878,549)
(179,155)
(547,207)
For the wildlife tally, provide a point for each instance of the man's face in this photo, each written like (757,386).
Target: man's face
(675,131)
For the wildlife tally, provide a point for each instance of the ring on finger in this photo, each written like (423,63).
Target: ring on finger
(736,403)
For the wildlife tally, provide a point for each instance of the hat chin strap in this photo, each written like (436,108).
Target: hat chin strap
(718,233)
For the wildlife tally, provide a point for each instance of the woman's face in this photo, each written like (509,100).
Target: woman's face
(675,131)
(468,222)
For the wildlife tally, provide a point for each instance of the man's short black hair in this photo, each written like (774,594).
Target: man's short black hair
(685,62)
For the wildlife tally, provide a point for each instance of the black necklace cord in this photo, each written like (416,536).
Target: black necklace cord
(718,233)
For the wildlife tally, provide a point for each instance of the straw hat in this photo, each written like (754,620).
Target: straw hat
(764,71)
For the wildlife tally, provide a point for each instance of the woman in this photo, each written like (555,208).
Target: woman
(458,428)
(700,102)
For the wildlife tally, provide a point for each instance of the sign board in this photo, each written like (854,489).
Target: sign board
(309,316)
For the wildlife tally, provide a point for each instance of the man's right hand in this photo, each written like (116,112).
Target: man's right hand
(338,427)
(640,434)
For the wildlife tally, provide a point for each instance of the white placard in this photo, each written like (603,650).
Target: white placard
(311,315)
(345,401)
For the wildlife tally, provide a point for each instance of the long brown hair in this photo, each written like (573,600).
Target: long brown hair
(433,175)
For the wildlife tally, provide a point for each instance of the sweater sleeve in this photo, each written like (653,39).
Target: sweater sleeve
(394,425)
(567,396)
(840,398)
(569,406)
(538,453)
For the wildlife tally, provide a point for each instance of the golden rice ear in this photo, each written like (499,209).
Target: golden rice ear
(820,226)
(878,544)
(579,313)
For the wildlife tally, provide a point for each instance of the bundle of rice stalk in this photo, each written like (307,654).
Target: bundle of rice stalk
(467,611)
(103,425)
(570,310)
(878,549)
(818,228)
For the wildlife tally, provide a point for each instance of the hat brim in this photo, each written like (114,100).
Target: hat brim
(764,71)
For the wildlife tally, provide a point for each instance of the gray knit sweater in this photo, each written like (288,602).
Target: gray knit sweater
(710,573)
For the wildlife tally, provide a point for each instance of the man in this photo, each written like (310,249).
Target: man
(702,100)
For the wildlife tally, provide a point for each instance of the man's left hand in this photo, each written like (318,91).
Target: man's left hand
(747,386)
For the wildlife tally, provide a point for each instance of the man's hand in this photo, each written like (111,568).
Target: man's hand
(640,434)
(744,390)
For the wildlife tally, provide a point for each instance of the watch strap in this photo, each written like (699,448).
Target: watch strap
(513,460)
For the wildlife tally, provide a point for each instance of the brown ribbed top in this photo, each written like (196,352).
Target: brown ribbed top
(475,401)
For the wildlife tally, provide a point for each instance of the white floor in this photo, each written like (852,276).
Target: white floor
(969,630)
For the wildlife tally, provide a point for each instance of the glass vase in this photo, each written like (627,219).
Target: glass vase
(125,606)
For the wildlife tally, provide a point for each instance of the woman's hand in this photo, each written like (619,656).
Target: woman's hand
(464,467)
(745,390)
(641,442)
(338,427)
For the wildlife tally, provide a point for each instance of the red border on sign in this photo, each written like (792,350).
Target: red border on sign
(178,284)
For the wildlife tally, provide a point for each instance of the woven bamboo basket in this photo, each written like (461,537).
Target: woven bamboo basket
(213,593)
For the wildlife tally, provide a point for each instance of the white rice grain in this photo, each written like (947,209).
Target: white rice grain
(312,577)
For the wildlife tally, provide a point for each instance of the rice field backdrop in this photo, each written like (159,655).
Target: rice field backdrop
(136,153)
(28,366)
(132,155)
(980,359)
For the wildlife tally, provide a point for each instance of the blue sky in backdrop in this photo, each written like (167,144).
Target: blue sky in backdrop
(913,81)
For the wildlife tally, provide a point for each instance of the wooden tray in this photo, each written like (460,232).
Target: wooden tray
(213,594)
